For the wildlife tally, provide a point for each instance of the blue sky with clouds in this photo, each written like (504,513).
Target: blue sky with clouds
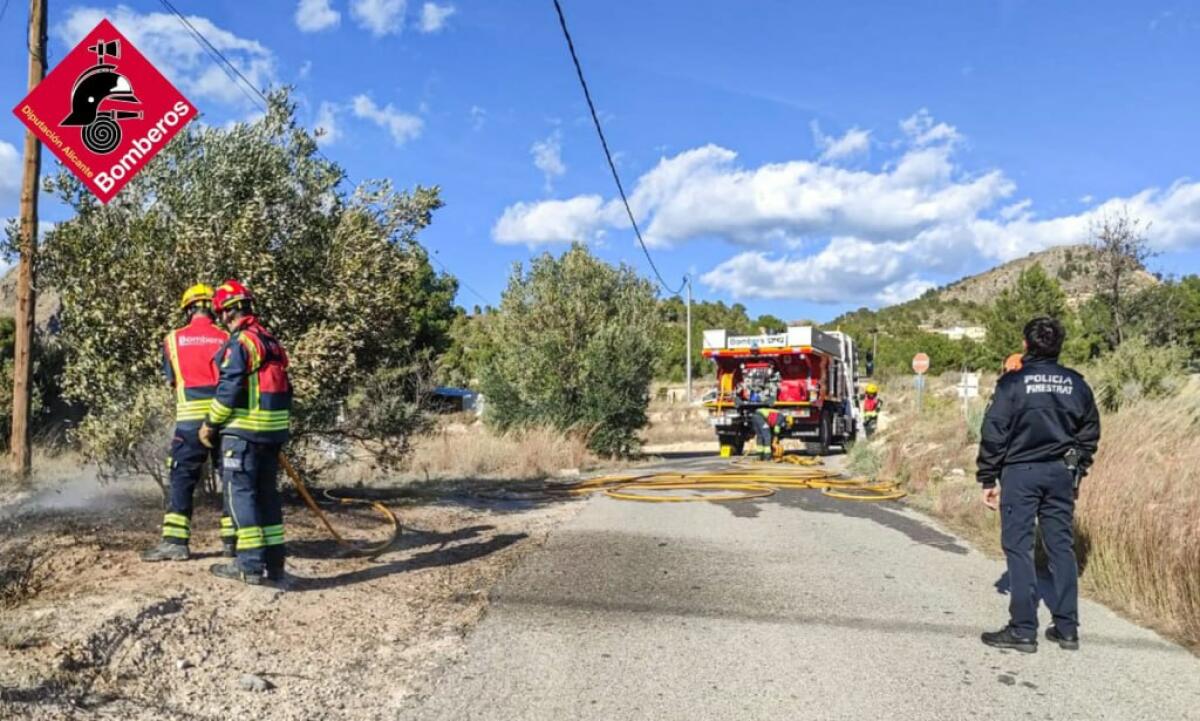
(801,158)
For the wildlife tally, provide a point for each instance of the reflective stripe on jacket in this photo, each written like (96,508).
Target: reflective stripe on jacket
(189,365)
(254,396)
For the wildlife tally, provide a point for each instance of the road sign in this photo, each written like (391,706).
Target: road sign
(104,111)
(968,386)
(920,363)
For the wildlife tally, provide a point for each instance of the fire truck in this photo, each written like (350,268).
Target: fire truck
(804,373)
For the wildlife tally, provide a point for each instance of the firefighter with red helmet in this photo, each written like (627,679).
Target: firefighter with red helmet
(250,414)
(189,366)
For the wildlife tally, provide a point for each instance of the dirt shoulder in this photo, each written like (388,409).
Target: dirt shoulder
(88,631)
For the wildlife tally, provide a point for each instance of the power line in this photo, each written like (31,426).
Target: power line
(236,75)
(562,21)
(215,53)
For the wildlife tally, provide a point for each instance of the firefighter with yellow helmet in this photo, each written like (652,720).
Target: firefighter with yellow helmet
(189,364)
(871,406)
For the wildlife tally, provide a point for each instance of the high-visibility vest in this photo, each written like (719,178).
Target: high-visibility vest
(260,409)
(191,352)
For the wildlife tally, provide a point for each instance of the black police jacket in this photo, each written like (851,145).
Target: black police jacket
(1038,413)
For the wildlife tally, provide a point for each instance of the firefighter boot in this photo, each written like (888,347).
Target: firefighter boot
(166,551)
(233,573)
(229,548)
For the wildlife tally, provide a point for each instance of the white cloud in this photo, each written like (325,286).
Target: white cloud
(434,16)
(921,129)
(478,117)
(854,142)
(814,231)
(547,157)
(316,15)
(551,221)
(381,17)
(402,126)
(10,174)
(326,124)
(177,54)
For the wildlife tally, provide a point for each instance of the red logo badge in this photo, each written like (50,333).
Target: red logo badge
(105,111)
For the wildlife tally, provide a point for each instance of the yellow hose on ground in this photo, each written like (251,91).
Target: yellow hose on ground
(353,549)
(745,480)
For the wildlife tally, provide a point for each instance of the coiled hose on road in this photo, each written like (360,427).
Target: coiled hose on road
(742,480)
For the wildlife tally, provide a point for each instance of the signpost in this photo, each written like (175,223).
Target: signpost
(968,388)
(920,365)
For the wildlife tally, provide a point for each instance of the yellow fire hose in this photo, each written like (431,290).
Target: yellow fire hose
(352,549)
(744,480)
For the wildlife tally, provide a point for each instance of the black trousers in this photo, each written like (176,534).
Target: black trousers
(1041,493)
(188,457)
(252,497)
(762,433)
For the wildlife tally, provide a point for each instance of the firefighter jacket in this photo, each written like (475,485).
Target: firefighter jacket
(254,396)
(189,365)
(1037,414)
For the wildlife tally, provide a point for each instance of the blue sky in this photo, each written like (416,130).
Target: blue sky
(801,158)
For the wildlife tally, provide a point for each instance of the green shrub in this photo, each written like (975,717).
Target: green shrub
(571,348)
(1136,370)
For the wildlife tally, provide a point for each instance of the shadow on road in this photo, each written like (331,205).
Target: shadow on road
(440,556)
(850,623)
(884,513)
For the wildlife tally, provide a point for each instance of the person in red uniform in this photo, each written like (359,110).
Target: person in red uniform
(189,366)
(250,414)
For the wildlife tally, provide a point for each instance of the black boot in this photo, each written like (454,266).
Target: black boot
(1005,638)
(1064,641)
(166,551)
(233,573)
(229,550)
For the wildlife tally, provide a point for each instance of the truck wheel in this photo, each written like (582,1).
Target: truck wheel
(821,446)
(736,443)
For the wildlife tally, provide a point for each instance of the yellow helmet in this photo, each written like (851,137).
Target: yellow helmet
(200,292)
(872,389)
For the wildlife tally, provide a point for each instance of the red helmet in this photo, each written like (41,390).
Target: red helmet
(228,293)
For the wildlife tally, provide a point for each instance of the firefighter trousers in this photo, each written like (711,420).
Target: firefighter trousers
(252,498)
(1041,493)
(187,463)
(762,432)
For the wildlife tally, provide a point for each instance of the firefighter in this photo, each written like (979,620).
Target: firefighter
(872,404)
(250,415)
(1039,435)
(189,366)
(768,423)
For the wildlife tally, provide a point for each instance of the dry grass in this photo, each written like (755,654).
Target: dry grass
(459,450)
(1138,538)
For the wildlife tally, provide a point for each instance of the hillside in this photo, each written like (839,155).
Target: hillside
(1070,265)
(963,301)
(48,303)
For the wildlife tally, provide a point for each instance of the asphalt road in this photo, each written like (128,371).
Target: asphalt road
(792,607)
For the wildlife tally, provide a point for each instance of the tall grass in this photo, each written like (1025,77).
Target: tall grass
(1138,516)
(474,451)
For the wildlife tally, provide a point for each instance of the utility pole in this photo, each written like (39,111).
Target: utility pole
(687,279)
(26,289)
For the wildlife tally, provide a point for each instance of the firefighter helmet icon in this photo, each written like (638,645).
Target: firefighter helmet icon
(97,85)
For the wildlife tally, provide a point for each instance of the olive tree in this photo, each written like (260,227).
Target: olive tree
(571,347)
(339,277)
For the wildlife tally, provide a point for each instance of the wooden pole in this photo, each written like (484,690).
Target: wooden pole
(26,290)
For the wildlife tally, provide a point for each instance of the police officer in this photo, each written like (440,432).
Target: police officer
(189,367)
(250,413)
(1038,438)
